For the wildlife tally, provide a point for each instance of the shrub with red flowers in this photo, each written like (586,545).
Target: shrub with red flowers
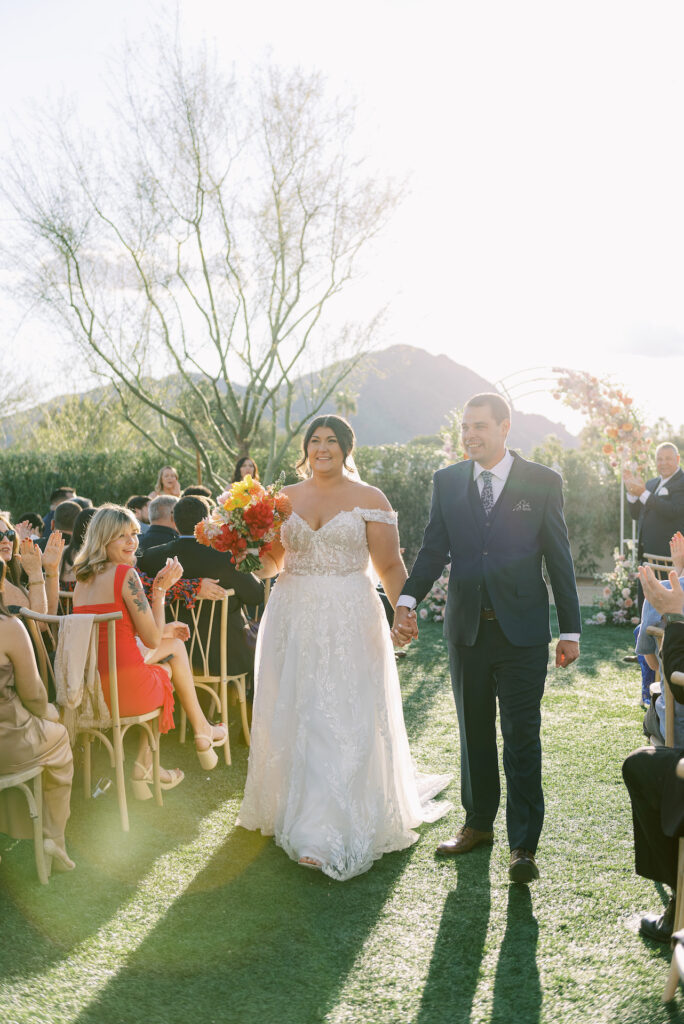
(245,522)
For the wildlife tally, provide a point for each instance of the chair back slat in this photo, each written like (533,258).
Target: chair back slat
(662,559)
(202,633)
(660,571)
(45,668)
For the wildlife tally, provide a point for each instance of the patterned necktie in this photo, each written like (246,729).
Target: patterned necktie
(487,495)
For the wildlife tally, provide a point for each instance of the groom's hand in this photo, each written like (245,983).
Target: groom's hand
(405,628)
(567,651)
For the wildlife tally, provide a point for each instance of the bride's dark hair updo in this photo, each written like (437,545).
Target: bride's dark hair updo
(340,428)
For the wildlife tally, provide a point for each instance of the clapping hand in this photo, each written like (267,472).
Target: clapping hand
(52,555)
(29,555)
(210,590)
(168,574)
(405,628)
(635,484)
(663,600)
(677,552)
(23,530)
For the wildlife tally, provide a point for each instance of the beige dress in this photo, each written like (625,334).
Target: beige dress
(28,739)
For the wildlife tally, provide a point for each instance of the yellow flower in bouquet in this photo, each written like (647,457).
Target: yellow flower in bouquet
(246,522)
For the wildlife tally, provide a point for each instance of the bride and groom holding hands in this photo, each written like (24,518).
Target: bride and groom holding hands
(330,770)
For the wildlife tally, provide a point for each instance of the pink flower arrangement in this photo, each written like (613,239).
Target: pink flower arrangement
(619,595)
(611,411)
(435,602)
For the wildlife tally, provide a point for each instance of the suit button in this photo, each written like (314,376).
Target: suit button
(485,552)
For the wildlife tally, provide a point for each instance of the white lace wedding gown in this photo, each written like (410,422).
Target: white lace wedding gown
(330,770)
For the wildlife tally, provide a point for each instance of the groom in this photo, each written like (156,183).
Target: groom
(495,517)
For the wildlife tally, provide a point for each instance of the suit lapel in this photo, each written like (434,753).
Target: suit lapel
(463,498)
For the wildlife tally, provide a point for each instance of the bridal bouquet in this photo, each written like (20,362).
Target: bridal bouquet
(245,522)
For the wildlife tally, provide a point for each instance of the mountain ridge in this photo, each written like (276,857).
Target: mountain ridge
(401,392)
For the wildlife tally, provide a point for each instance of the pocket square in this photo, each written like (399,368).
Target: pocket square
(522,506)
(662,491)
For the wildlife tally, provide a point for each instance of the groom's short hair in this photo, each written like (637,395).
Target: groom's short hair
(501,410)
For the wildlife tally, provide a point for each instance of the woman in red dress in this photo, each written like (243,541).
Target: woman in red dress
(106,581)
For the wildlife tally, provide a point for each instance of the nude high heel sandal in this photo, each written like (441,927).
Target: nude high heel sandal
(207,756)
(141,787)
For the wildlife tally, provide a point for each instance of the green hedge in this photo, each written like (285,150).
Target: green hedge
(28,479)
(404,473)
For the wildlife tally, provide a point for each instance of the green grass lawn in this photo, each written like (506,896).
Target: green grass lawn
(189,920)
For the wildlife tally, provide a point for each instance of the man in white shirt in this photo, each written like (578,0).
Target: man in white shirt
(658,504)
(495,517)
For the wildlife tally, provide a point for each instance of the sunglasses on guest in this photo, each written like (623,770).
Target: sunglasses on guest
(10,534)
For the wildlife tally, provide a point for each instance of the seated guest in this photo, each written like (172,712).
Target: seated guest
(162,525)
(139,505)
(59,495)
(66,572)
(106,581)
(654,719)
(657,795)
(34,525)
(647,646)
(82,502)
(245,467)
(201,561)
(167,483)
(199,491)
(31,735)
(63,520)
(22,565)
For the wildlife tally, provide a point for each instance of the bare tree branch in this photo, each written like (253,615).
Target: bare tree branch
(205,238)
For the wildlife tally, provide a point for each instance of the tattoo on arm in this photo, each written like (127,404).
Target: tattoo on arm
(137,593)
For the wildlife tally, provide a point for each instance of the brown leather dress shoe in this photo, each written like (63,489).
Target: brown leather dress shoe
(523,866)
(465,840)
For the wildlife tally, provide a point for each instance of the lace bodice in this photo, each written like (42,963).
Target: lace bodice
(338,548)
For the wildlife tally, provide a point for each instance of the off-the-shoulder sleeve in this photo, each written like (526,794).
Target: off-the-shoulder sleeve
(378,515)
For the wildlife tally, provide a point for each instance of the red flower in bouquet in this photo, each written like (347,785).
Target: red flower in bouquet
(245,522)
(259,517)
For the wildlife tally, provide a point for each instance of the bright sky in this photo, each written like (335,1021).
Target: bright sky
(542,142)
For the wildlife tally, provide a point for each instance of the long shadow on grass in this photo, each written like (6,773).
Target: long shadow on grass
(457,955)
(517,992)
(254,938)
(45,923)
(419,702)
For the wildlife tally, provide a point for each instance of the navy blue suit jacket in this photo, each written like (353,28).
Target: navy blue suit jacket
(504,551)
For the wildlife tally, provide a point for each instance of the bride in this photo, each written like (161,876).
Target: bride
(330,771)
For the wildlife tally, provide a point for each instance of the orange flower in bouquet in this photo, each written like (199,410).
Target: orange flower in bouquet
(245,522)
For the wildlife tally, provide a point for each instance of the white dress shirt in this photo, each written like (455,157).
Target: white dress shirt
(499,477)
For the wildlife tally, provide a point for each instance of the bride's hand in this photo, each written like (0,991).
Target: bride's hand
(268,569)
(405,628)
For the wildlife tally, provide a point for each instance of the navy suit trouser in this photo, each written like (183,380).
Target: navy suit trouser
(645,772)
(494,668)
